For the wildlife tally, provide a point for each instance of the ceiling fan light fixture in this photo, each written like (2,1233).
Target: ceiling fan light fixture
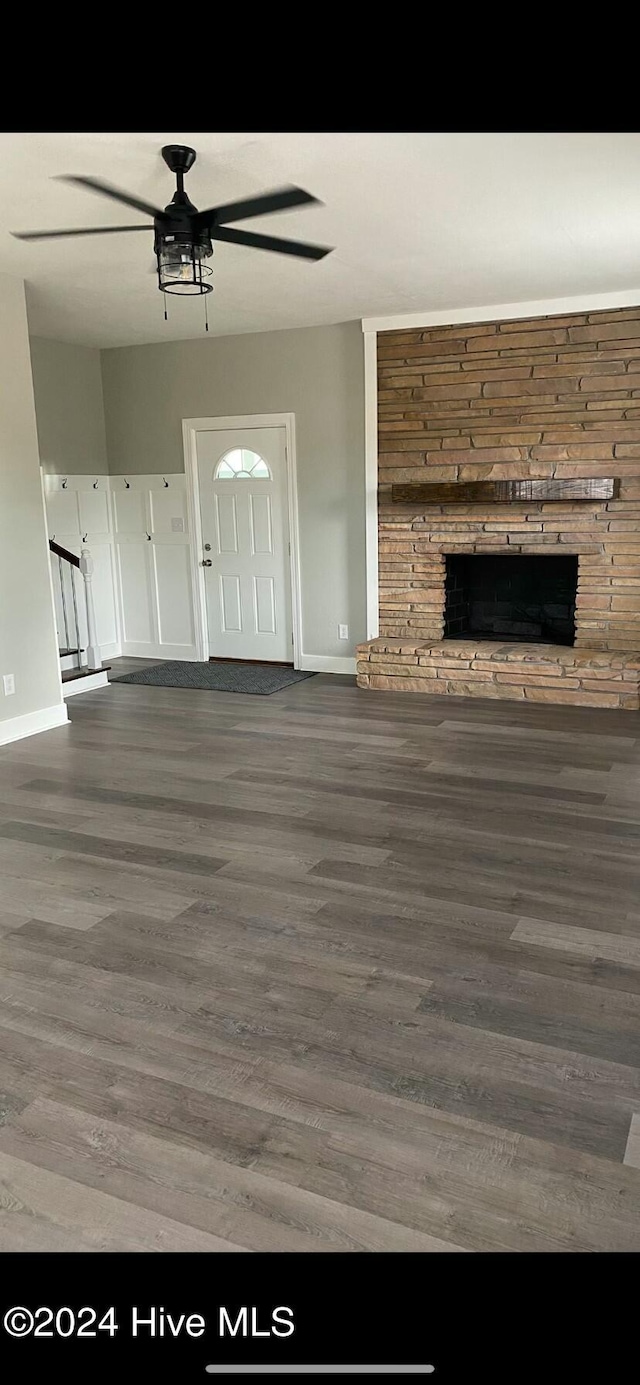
(184,236)
(182,267)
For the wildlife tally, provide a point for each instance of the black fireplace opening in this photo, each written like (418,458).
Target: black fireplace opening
(511,597)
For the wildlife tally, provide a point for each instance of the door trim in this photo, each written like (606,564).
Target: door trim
(190,428)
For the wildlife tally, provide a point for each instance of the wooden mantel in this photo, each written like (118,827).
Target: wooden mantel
(471,492)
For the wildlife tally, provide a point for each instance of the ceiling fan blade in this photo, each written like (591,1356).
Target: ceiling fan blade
(255,206)
(108,190)
(260,242)
(77,231)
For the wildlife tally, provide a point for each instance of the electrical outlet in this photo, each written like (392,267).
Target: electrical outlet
(343,632)
(177,525)
(9,684)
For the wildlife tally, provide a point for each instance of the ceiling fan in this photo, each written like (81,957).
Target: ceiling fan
(183,236)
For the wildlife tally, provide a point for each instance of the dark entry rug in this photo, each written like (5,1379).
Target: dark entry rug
(237,678)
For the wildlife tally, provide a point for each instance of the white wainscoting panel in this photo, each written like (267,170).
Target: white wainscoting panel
(173,587)
(137,530)
(129,512)
(78,515)
(136,583)
(153,564)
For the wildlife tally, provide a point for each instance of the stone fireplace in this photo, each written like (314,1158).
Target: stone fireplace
(509,511)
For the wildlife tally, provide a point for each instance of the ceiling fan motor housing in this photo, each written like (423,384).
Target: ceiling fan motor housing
(175,229)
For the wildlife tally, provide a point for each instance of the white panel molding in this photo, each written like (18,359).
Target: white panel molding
(190,428)
(133,513)
(327,663)
(226,523)
(79,511)
(264,605)
(230,604)
(151,514)
(30,723)
(139,649)
(261,525)
(134,592)
(172,583)
(84,685)
(497,312)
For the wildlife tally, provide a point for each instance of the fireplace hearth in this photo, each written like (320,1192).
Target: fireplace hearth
(521,597)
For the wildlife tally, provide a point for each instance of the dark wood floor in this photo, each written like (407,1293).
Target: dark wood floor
(326,970)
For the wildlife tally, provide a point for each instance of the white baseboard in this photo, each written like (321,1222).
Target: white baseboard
(132,650)
(327,663)
(16,728)
(84,685)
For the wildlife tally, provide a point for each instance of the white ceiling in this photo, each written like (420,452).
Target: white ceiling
(419,221)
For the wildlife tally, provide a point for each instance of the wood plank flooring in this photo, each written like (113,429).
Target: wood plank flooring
(326,970)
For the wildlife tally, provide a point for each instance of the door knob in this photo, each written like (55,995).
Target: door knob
(206,562)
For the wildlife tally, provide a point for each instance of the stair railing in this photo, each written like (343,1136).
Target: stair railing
(88,656)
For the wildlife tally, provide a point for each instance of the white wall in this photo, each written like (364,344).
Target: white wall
(67,385)
(315,373)
(28,647)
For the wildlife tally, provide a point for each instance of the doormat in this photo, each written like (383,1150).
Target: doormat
(233,677)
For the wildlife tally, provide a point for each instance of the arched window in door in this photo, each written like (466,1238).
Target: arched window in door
(241,464)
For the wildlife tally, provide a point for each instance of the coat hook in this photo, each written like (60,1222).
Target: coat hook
(84,538)
(165,483)
(126,484)
(148,536)
(95,484)
(64,483)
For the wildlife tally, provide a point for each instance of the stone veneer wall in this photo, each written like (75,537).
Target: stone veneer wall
(547,397)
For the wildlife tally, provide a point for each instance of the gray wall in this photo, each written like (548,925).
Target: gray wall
(28,647)
(67,384)
(318,374)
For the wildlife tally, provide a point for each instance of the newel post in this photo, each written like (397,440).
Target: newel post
(93,650)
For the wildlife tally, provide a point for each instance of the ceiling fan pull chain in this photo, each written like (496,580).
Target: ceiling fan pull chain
(206,314)
(166,317)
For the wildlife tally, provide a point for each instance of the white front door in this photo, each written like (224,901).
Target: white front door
(242,479)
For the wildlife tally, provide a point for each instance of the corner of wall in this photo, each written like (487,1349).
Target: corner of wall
(27,624)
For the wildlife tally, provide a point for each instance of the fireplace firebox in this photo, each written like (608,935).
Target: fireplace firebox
(511,597)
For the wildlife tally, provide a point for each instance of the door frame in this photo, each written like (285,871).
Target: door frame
(190,428)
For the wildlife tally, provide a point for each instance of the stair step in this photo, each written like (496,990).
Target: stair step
(64,653)
(69,674)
